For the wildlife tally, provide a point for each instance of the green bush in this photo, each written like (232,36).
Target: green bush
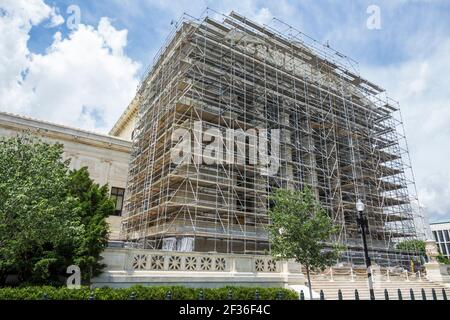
(144,293)
(443,259)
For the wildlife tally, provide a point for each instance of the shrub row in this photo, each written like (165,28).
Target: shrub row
(146,293)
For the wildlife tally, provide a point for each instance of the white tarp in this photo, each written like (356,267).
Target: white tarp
(169,244)
(185,244)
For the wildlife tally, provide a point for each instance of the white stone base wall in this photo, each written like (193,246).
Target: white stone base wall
(438,272)
(126,267)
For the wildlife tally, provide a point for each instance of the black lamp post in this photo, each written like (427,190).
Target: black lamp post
(362,222)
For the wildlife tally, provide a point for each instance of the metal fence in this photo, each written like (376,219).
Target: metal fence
(424,295)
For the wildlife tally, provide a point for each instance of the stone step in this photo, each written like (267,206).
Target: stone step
(352,291)
(378,287)
(330,289)
(383,285)
(381,297)
(379,294)
(383,282)
(341,278)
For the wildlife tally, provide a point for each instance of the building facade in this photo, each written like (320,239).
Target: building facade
(106,157)
(289,103)
(441,234)
(337,133)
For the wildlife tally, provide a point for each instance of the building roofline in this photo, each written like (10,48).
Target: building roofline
(48,128)
(440,222)
(131,109)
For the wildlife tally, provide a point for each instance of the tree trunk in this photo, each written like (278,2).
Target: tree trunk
(309,282)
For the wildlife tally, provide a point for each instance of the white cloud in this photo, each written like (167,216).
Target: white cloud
(15,24)
(56,19)
(263,16)
(84,80)
(28,12)
(422,87)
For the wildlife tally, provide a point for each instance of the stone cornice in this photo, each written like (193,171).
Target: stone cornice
(61,132)
(125,117)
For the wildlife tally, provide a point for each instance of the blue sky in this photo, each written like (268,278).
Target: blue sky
(340,22)
(85,77)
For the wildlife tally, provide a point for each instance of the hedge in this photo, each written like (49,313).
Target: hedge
(146,293)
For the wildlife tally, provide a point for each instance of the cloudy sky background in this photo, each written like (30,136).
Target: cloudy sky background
(85,77)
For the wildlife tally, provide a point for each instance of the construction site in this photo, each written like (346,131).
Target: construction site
(340,135)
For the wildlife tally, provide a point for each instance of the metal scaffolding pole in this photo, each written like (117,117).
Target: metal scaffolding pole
(340,136)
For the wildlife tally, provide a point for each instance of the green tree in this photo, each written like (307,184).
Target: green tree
(95,206)
(418,246)
(443,259)
(50,217)
(36,214)
(300,229)
(414,245)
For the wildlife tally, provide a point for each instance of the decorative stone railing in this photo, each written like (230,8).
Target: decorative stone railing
(130,266)
(194,261)
(131,260)
(378,274)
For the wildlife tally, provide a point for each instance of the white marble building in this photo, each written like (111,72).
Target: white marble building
(106,156)
(441,234)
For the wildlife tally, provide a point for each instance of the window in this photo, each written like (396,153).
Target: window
(117,195)
(440,247)
(441,236)
(435,236)
(447,237)
(444,249)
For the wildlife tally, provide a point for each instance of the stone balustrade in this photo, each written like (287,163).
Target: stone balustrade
(128,266)
(178,261)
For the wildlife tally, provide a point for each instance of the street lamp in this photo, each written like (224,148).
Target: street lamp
(362,222)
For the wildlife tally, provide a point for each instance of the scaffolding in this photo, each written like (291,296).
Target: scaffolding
(341,136)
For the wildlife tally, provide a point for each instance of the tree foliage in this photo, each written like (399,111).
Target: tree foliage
(414,245)
(300,229)
(443,259)
(36,215)
(94,206)
(47,220)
